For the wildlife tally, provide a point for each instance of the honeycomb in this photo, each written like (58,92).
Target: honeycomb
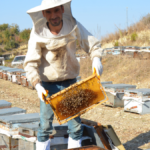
(72,103)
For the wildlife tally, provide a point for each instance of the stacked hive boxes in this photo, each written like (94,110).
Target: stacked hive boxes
(115,93)
(137,101)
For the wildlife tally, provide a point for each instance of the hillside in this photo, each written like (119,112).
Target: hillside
(137,34)
(12,40)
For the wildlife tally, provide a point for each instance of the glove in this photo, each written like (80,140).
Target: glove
(40,91)
(97,65)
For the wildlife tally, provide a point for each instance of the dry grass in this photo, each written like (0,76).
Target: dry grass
(85,67)
(121,69)
(143,24)
(127,70)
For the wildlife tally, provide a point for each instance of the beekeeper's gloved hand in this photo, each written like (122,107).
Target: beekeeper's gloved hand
(40,90)
(97,65)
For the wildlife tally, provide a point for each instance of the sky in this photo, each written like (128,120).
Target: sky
(97,16)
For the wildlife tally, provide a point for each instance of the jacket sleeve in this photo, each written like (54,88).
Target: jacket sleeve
(33,60)
(89,43)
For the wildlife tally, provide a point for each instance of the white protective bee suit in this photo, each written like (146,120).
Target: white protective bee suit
(52,58)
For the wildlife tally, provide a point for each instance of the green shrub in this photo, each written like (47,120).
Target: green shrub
(10,45)
(1,41)
(25,34)
(116,43)
(6,48)
(7,34)
(14,29)
(4,27)
(1,50)
(134,36)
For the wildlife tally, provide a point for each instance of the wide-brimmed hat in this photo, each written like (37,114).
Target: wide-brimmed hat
(47,4)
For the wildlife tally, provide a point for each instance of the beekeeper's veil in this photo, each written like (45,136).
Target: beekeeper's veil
(37,16)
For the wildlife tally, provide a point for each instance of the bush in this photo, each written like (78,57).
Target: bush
(6,48)
(1,41)
(134,36)
(1,50)
(7,34)
(14,29)
(116,43)
(25,34)
(10,45)
(4,27)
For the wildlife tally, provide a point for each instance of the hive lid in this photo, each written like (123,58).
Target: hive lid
(119,86)
(24,118)
(4,103)
(16,69)
(32,126)
(144,92)
(106,82)
(4,68)
(35,125)
(7,69)
(11,111)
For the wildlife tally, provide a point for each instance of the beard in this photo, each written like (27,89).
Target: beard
(55,22)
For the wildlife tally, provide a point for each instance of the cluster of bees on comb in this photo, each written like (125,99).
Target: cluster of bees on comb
(74,102)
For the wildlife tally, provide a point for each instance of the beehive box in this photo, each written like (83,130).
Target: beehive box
(93,134)
(5,140)
(4,104)
(106,82)
(18,77)
(137,101)
(9,73)
(77,99)
(5,72)
(59,137)
(7,143)
(3,69)
(11,111)
(115,93)
(9,127)
(103,134)
(90,147)
(11,123)
(27,131)
(24,81)
(12,75)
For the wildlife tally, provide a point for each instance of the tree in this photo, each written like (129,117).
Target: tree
(10,44)
(4,27)
(25,34)
(7,34)
(14,29)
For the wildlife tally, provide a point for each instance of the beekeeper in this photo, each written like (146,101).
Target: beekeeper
(51,62)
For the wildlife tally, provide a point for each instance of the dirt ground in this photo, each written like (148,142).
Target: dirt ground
(132,129)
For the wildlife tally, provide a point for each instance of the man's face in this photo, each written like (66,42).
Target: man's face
(54,15)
